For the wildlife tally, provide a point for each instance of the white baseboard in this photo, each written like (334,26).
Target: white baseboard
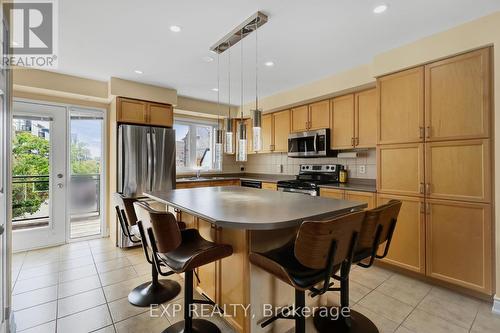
(496,305)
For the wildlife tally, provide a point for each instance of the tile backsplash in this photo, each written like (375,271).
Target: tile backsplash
(280,163)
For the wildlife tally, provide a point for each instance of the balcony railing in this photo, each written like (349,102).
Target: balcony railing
(30,200)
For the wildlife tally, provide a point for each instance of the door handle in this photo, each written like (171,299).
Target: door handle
(422,188)
(60,185)
(2,229)
(427,188)
(421,132)
(148,144)
(428,132)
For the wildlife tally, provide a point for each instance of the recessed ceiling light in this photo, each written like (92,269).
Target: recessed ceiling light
(269,63)
(137,71)
(215,89)
(380,8)
(175,28)
(207,59)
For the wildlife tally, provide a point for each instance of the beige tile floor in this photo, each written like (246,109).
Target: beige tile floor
(83,287)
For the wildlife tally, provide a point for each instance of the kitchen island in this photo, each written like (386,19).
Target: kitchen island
(250,220)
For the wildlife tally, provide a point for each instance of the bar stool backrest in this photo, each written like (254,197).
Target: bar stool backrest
(164,225)
(127,205)
(381,220)
(314,241)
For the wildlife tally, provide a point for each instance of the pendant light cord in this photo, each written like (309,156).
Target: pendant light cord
(229,80)
(218,91)
(256,65)
(241,41)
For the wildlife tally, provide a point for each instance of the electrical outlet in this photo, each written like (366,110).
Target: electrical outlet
(279,168)
(362,169)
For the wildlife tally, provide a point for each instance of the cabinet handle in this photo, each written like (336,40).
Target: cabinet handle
(428,132)
(428,188)
(357,141)
(422,208)
(421,188)
(427,208)
(421,132)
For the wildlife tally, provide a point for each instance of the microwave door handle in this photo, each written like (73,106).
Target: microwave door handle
(316,142)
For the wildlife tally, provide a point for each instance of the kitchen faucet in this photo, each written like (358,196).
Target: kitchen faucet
(198,171)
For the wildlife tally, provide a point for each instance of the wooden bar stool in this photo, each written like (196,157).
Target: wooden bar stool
(319,250)
(377,229)
(155,291)
(182,251)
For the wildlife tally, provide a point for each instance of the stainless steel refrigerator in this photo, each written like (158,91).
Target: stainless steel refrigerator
(146,162)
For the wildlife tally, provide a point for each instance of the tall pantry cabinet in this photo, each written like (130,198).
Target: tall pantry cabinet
(434,154)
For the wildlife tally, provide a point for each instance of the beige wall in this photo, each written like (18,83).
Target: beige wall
(137,90)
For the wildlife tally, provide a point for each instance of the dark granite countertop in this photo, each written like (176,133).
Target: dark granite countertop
(269,178)
(252,209)
(362,185)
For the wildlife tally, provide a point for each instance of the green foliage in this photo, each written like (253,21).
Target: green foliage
(81,162)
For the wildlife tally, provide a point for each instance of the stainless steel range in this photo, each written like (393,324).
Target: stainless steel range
(310,177)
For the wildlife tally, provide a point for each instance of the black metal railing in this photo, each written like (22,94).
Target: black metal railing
(30,197)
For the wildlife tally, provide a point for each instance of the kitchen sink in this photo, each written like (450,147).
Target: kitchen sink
(200,178)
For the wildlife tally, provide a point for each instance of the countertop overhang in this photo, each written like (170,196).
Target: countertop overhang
(253,209)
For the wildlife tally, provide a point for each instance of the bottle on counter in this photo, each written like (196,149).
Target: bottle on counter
(343,174)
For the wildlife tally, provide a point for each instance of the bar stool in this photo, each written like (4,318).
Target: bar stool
(155,291)
(377,229)
(319,250)
(182,251)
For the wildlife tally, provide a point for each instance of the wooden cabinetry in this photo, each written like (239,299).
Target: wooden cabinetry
(207,273)
(342,127)
(401,169)
(458,170)
(281,129)
(267,133)
(401,107)
(319,115)
(365,119)
(459,243)
(457,97)
(269,186)
(144,113)
(367,197)
(230,182)
(407,249)
(249,125)
(300,118)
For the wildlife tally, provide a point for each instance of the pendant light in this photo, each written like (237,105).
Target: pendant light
(229,146)
(257,113)
(218,132)
(242,139)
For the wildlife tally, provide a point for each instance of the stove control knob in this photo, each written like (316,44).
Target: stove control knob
(327,167)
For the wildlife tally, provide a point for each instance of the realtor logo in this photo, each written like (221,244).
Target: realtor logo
(33,34)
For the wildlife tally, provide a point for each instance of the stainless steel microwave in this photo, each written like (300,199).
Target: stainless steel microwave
(309,144)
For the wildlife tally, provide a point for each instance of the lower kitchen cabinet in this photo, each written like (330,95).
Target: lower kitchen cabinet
(407,249)
(269,186)
(207,273)
(367,197)
(331,193)
(459,243)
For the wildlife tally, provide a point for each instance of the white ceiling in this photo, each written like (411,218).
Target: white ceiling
(307,40)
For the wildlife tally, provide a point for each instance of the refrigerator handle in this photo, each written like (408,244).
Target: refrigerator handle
(153,157)
(150,156)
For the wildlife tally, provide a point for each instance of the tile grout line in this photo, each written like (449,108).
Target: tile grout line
(414,308)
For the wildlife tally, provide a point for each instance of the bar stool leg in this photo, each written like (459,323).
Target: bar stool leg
(154,292)
(190,325)
(300,303)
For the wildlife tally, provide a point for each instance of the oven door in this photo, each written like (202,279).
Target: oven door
(308,144)
(295,190)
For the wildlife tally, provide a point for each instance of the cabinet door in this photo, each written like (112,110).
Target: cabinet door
(160,115)
(342,127)
(270,186)
(131,111)
(369,198)
(249,124)
(300,119)
(407,248)
(366,119)
(459,243)
(267,133)
(401,169)
(319,115)
(459,170)
(332,193)
(401,107)
(281,121)
(457,97)
(207,273)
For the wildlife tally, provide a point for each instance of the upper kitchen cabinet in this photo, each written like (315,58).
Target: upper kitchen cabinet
(300,118)
(281,129)
(457,97)
(267,133)
(144,113)
(342,127)
(249,125)
(319,115)
(401,107)
(365,119)
(160,115)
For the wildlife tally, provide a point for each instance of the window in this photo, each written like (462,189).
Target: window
(194,143)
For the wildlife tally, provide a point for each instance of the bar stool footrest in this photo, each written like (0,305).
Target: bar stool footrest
(359,323)
(147,294)
(199,326)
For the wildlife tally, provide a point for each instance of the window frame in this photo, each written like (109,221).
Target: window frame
(192,123)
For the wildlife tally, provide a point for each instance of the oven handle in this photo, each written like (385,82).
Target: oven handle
(292,190)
